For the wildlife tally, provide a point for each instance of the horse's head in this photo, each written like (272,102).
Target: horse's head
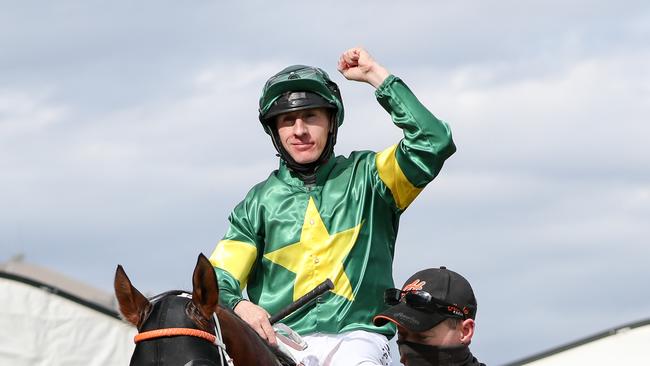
(175,327)
(178,329)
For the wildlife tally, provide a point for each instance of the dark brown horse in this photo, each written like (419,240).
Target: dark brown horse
(179,328)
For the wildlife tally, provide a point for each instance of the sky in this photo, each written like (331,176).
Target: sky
(128,131)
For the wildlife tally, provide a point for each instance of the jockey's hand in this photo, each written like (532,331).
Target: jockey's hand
(357,64)
(258,319)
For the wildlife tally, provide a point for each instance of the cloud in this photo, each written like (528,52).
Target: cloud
(27,113)
(588,114)
(545,202)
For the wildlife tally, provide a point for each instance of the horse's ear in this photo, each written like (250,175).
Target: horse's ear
(205,293)
(133,304)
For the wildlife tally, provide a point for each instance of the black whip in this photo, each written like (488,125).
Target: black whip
(302,301)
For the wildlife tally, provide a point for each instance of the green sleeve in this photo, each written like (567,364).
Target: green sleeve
(235,256)
(427,141)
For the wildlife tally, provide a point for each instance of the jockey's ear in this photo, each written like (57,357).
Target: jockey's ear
(205,293)
(133,304)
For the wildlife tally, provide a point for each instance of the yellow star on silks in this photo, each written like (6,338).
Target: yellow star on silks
(317,256)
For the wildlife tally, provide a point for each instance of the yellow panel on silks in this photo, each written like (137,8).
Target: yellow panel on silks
(404,192)
(236,257)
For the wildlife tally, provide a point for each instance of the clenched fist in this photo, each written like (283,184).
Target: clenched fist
(357,64)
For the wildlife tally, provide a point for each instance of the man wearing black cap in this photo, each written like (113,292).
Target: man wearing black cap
(434,313)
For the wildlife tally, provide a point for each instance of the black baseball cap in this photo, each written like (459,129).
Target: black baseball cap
(444,287)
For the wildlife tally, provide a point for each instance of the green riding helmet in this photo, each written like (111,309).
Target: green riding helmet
(296,88)
(320,91)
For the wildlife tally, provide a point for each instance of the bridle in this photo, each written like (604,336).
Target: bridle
(216,338)
(171,332)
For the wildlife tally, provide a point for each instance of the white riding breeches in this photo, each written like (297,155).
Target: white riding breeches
(351,348)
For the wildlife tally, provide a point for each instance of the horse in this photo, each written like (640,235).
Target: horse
(191,329)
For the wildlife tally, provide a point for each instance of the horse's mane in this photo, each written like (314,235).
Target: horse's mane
(168,293)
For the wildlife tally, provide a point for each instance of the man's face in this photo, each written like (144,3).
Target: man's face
(304,133)
(446,334)
(440,335)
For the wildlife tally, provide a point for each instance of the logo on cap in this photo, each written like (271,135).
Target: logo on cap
(416,285)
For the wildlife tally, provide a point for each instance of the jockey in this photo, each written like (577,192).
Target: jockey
(323,216)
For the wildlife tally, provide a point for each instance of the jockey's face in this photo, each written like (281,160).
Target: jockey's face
(304,133)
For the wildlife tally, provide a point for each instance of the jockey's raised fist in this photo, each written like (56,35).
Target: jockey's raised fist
(357,64)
